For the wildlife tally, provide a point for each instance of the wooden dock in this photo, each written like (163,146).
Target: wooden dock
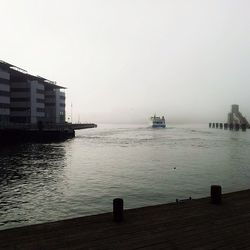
(195,224)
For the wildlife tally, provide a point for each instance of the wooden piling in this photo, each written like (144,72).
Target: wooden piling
(118,210)
(237,127)
(215,194)
(217,124)
(243,127)
(221,125)
(213,125)
(225,126)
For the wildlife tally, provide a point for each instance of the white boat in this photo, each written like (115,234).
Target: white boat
(158,122)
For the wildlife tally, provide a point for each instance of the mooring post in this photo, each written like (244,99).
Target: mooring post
(215,194)
(210,124)
(231,126)
(243,127)
(237,127)
(217,124)
(221,125)
(118,210)
(225,126)
(213,125)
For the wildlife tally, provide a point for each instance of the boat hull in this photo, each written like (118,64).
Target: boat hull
(158,126)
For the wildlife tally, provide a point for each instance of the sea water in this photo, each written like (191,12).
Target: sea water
(142,165)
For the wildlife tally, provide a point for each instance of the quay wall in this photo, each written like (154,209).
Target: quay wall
(16,135)
(40,132)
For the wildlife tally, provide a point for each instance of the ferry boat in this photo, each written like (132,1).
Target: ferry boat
(158,122)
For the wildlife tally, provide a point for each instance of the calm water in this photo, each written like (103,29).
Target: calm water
(145,166)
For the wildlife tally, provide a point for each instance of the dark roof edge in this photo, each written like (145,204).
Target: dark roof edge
(24,72)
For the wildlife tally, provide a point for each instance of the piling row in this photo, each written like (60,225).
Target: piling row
(229,126)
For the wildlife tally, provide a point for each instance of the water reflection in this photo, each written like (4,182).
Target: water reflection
(30,176)
(23,161)
(41,183)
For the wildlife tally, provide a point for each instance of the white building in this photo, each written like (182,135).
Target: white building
(25,98)
(4,93)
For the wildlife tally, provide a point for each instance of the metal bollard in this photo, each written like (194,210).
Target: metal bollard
(118,210)
(215,194)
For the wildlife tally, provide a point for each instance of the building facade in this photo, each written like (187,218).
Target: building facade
(4,94)
(54,104)
(29,99)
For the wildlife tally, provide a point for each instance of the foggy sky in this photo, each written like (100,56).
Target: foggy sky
(123,61)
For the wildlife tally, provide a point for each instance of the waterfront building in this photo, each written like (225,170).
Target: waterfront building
(4,93)
(54,103)
(29,99)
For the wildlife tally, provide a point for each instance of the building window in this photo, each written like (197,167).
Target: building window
(40,91)
(62,104)
(39,100)
(4,118)
(4,93)
(20,90)
(50,104)
(20,119)
(4,81)
(40,109)
(4,105)
(20,99)
(50,96)
(20,109)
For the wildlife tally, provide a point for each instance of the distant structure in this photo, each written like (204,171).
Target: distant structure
(32,108)
(29,99)
(236,118)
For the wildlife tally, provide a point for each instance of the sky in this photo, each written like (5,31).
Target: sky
(124,60)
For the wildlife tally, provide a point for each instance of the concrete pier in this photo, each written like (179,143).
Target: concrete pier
(191,224)
(16,136)
(14,133)
(236,121)
(236,117)
(231,126)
